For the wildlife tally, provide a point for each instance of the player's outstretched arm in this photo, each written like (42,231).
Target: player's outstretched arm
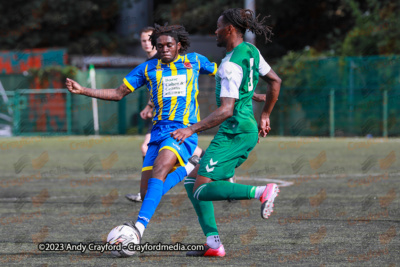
(259,97)
(214,119)
(105,94)
(274,86)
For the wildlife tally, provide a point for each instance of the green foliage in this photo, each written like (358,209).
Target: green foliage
(348,27)
(84,27)
(296,68)
(376,30)
(60,73)
(296,24)
(196,16)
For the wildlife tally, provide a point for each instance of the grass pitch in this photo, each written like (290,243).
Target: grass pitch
(339,203)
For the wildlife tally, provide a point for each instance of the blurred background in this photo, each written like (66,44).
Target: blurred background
(339,61)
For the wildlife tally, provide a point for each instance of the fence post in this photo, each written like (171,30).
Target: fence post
(17,117)
(69,115)
(122,116)
(352,66)
(332,113)
(281,115)
(281,118)
(385,113)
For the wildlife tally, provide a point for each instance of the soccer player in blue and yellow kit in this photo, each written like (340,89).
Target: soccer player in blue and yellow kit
(147,112)
(172,81)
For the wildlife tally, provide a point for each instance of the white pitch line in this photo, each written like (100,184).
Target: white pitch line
(280,183)
(30,198)
(321,175)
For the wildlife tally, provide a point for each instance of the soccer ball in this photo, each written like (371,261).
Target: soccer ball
(123,234)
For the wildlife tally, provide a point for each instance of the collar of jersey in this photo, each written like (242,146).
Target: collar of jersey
(234,48)
(178,58)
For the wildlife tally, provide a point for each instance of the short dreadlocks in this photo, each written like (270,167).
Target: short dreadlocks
(177,32)
(245,19)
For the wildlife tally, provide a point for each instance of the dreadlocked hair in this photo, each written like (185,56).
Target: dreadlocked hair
(245,19)
(178,32)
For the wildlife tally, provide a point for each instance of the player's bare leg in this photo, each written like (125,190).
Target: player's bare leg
(146,175)
(152,187)
(198,152)
(137,197)
(144,146)
(163,164)
(200,180)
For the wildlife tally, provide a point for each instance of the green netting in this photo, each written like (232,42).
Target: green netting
(365,92)
(13,82)
(354,96)
(45,111)
(114,117)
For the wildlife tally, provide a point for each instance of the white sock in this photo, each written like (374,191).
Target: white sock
(189,168)
(140,227)
(213,241)
(259,191)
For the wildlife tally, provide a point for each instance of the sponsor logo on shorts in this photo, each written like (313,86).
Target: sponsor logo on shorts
(212,163)
(175,145)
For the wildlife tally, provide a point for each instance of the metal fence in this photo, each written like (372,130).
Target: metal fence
(324,97)
(297,113)
(58,112)
(352,96)
(300,112)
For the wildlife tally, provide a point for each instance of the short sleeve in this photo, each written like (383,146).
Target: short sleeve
(231,75)
(206,67)
(263,66)
(135,78)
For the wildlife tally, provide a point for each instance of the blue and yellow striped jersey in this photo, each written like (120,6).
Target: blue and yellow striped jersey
(173,87)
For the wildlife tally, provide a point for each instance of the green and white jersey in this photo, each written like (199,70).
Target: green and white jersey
(237,77)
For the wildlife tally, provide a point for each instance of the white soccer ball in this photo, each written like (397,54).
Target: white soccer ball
(123,234)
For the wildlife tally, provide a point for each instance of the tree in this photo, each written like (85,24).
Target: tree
(376,30)
(296,24)
(84,27)
(197,16)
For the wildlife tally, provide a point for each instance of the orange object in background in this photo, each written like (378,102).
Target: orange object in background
(45,112)
(19,61)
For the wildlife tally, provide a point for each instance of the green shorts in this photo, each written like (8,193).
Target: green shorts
(225,153)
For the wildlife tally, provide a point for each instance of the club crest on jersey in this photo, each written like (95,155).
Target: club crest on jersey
(187,65)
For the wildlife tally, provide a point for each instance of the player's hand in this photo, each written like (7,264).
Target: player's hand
(146,113)
(264,126)
(73,86)
(182,134)
(150,114)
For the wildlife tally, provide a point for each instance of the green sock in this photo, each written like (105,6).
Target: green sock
(223,190)
(204,210)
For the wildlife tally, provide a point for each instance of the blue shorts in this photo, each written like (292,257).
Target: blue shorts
(161,139)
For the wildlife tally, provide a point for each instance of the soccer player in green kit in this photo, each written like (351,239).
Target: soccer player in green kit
(236,79)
